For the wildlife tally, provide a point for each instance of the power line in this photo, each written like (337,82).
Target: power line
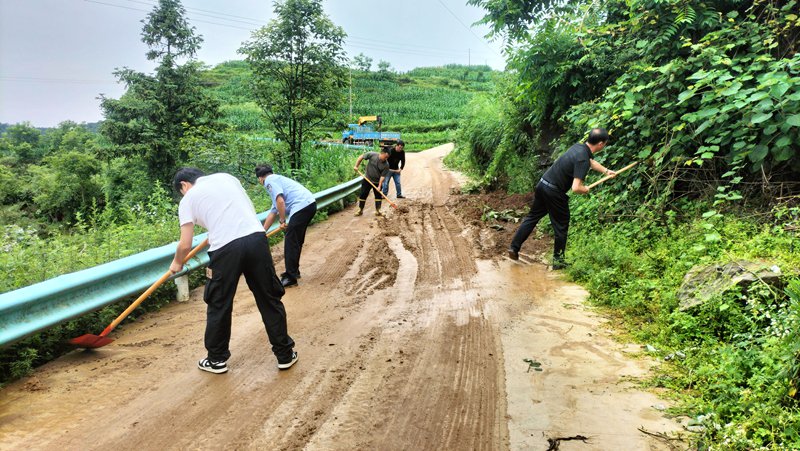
(212,14)
(368,44)
(217,13)
(465,26)
(54,80)
(147,11)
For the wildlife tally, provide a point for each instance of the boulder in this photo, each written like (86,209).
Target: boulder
(702,283)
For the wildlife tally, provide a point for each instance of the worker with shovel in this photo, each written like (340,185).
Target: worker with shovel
(237,245)
(294,206)
(550,197)
(377,170)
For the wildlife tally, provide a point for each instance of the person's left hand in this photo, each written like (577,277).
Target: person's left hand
(283,226)
(612,174)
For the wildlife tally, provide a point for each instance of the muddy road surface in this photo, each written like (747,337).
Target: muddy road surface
(408,337)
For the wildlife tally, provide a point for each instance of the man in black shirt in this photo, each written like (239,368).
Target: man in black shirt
(568,172)
(397,161)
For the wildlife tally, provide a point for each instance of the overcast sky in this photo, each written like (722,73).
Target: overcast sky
(57,56)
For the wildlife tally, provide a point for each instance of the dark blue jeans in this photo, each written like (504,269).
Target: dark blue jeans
(397,187)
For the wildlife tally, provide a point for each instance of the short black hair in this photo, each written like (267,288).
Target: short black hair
(263,170)
(597,136)
(386,149)
(186,175)
(400,143)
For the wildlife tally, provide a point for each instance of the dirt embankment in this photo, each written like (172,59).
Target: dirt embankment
(413,330)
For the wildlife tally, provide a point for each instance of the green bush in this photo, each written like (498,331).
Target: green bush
(739,373)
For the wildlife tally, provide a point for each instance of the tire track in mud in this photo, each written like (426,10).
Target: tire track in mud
(410,389)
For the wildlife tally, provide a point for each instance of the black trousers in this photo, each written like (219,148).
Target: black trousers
(250,256)
(546,201)
(295,237)
(364,193)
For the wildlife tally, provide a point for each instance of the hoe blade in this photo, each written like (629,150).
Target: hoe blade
(90,341)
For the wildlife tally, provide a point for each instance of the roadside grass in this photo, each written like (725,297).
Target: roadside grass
(732,363)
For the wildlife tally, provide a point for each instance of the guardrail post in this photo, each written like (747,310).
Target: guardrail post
(182,283)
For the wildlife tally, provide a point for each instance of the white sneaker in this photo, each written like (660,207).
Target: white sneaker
(287,365)
(212,367)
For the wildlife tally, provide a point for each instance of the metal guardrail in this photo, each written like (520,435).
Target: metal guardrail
(318,143)
(42,305)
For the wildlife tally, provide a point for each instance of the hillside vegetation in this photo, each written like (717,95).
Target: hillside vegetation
(705,96)
(424,104)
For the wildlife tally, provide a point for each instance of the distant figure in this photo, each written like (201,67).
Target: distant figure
(294,206)
(237,245)
(397,161)
(377,169)
(550,197)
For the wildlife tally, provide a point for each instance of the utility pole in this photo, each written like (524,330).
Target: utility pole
(351,95)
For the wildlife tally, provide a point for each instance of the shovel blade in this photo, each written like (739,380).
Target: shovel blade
(90,341)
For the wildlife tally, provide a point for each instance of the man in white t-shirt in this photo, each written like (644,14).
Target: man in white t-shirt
(237,246)
(294,206)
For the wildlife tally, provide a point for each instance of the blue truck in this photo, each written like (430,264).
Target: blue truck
(367,135)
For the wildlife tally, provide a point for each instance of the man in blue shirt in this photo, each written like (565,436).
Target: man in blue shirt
(294,206)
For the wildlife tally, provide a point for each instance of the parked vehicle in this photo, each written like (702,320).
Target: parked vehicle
(363,133)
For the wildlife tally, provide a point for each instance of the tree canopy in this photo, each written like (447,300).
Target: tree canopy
(149,120)
(298,71)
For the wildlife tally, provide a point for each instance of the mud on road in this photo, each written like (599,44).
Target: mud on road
(411,333)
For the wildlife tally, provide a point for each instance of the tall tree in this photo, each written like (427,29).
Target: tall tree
(298,71)
(362,62)
(149,120)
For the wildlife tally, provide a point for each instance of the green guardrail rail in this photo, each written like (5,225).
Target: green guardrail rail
(36,307)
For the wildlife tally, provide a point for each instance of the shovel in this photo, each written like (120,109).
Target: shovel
(96,341)
(376,189)
(90,341)
(610,176)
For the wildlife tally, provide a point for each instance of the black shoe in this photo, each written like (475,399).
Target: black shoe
(288,364)
(400,196)
(287,281)
(559,264)
(212,366)
(513,255)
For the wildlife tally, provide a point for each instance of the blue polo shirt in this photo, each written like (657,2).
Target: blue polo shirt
(295,195)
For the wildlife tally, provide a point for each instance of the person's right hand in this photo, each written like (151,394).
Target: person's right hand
(355,168)
(175,268)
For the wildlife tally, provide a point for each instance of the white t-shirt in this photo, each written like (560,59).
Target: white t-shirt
(218,203)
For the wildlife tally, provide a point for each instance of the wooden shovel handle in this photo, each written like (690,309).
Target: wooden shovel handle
(150,290)
(158,283)
(376,189)
(610,176)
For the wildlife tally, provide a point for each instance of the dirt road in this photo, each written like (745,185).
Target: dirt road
(407,340)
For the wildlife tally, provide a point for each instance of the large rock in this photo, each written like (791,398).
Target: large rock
(702,283)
